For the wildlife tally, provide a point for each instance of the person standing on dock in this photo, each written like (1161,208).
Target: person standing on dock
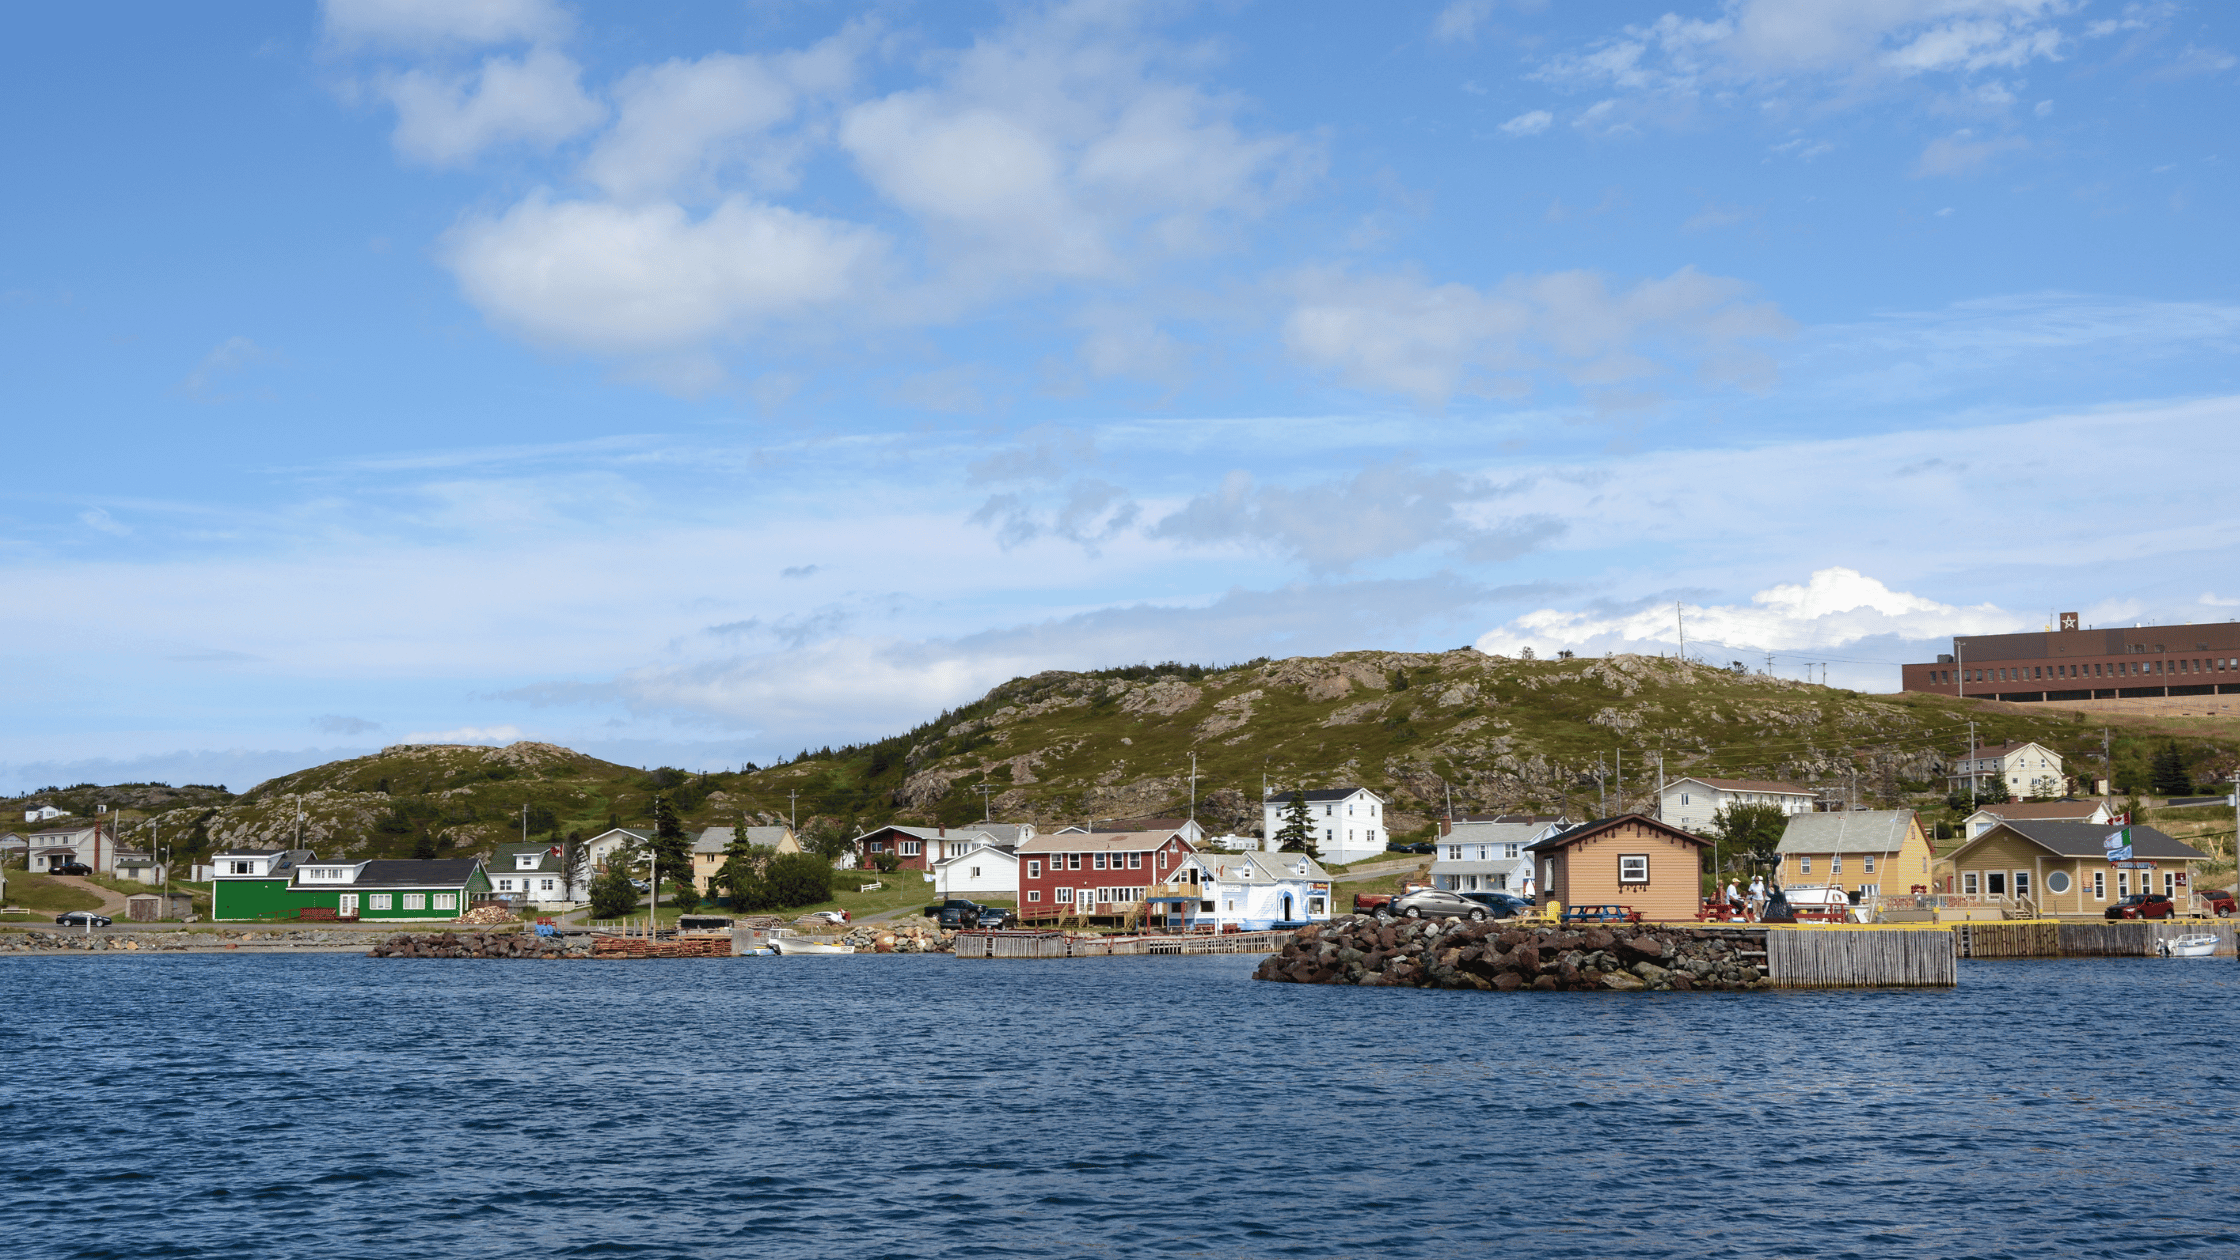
(1757,893)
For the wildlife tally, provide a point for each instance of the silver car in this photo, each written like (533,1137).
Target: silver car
(1437,903)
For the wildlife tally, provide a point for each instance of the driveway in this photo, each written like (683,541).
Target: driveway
(112,903)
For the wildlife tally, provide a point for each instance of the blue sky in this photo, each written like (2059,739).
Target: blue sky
(697,384)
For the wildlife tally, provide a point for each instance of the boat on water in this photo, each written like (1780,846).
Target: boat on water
(788,945)
(2198,945)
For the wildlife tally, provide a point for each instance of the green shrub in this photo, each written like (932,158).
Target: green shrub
(798,879)
(612,895)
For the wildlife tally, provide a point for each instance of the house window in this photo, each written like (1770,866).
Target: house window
(1316,905)
(1135,861)
(416,901)
(379,901)
(1065,895)
(244,868)
(548,885)
(1968,883)
(1995,883)
(2022,883)
(910,848)
(1869,860)
(1034,894)
(505,885)
(1683,798)
(1097,861)
(1804,865)
(1633,868)
(2057,881)
(975,872)
(1034,869)
(2169,883)
(2123,883)
(2099,885)
(446,901)
(878,846)
(1454,852)
(1162,859)
(1073,861)
(1835,864)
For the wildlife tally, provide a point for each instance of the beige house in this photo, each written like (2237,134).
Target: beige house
(2028,769)
(2062,868)
(1864,852)
(1691,803)
(713,847)
(1991,816)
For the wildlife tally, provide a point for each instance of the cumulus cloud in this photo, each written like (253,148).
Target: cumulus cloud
(650,279)
(425,24)
(1383,510)
(1403,334)
(446,118)
(1833,608)
(1962,152)
(1458,22)
(466,735)
(1529,124)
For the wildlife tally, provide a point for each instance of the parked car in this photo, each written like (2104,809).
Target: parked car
(83,918)
(829,916)
(1437,903)
(1371,903)
(70,868)
(2219,900)
(1503,905)
(958,914)
(1001,917)
(2142,906)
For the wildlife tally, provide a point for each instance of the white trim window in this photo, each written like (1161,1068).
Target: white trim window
(1065,896)
(910,848)
(447,901)
(380,901)
(1968,883)
(2099,885)
(1633,868)
(415,901)
(1034,868)
(1034,894)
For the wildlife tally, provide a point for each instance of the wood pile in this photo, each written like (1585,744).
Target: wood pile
(680,947)
(1454,954)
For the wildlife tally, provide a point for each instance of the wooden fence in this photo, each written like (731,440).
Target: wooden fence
(1864,958)
(1063,945)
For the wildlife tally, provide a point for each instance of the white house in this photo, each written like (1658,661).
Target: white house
(92,843)
(1254,891)
(1348,822)
(1691,803)
(533,874)
(43,813)
(600,848)
(990,870)
(1490,856)
(1990,816)
(2028,769)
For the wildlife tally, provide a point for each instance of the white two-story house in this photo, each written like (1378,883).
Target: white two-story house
(2028,769)
(1490,856)
(1348,822)
(1691,803)
(1254,891)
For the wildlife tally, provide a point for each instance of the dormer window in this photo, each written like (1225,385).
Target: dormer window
(526,861)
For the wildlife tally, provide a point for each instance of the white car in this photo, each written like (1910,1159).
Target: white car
(829,916)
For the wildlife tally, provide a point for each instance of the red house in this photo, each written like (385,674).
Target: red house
(1105,870)
(918,848)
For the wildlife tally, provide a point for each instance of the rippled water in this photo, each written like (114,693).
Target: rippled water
(921,1106)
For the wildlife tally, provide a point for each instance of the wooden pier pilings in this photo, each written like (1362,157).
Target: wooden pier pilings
(2029,938)
(1063,945)
(2136,940)
(1861,958)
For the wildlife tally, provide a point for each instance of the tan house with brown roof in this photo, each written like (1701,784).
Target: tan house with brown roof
(1691,803)
(1864,852)
(2062,868)
(1631,860)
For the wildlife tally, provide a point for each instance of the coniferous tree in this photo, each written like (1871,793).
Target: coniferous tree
(612,894)
(1297,833)
(2169,772)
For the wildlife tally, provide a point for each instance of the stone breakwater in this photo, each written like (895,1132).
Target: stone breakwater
(901,938)
(485,945)
(1453,954)
(167,941)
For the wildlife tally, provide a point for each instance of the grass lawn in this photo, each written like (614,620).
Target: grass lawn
(37,892)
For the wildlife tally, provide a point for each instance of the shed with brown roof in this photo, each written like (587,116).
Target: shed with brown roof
(1631,860)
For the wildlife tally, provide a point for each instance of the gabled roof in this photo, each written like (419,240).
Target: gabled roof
(548,861)
(1542,819)
(632,832)
(719,839)
(74,828)
(1258,868)
(1009,853)
(2042,810)
(1495,833)
(924,833)
(2084,840)
(2001,750)
(418,872)
(1744,785)
(1092,842)
(1852,831)
(1318,794)
(1141,824)
(1588,830)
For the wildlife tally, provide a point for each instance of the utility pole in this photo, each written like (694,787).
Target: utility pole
(524,823)
(1660,785)
(1193,787)
(1971,767)
(2107,759)
(1680,618)
(1769,664)
(987,807)
(793,811)
(1601,792)
(1619,774)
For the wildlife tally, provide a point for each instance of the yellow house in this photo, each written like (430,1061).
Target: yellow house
(713,849)
(2062,868)
(1865,852)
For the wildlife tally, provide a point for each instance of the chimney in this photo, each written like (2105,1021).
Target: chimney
(1446,826)
(943,831)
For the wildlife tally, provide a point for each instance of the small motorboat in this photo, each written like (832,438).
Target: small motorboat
(790,945)
(2198,945)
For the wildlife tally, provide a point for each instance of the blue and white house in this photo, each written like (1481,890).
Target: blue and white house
(1255,891)
(1490,856)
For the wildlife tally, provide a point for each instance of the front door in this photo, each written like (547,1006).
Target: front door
(1995,884)
(349,905)
(1287,915)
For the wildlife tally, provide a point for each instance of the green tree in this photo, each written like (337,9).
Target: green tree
(1749,833)
(612,894)
(742,879)
(575,861)
(798,879)
(2168,775)
(683,895)
(1297,832)
(424,848)
(670,847)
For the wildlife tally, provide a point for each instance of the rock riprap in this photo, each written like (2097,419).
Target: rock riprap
(1453,954)
(485,945)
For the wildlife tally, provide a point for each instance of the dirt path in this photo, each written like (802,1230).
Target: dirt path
(112,903)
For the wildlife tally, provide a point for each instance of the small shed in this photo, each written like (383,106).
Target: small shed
(1631,860)
(143,907)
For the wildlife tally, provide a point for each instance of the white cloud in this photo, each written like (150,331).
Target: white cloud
(99,518)
(1833,608)
(445,119)
(1962,152)
(1458,22)
(433,23)
(465,735)
(221,367)
(1382,511)
(652,280)
(1531,123)
(1403,334)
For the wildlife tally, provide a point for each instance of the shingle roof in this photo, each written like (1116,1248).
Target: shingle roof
(417,872)
(2042,810)
(1587,829)
(1091,842)
(718,839)
(2074,839)
(1259,868)
(1494,833)
(548,862)
(1747,785)
(1317,794)
(1139,824)
(1851,831)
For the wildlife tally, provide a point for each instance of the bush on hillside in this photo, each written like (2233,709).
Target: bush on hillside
(798,879)
(612,895)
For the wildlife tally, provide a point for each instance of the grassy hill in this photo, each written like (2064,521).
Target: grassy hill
(1067,747)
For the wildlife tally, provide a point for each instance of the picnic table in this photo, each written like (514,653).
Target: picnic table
(1601,914)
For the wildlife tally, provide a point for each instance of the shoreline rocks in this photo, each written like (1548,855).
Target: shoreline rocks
(486,945)
(1455,954)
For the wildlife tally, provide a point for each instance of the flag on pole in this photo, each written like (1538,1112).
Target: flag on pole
(2118,844)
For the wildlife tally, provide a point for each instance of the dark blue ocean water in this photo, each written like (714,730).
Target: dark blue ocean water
(928,1107)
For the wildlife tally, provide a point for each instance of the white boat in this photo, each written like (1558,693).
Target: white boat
(786,945)
(2199,945)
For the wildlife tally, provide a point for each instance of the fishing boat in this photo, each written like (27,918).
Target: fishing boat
(2198,945)
(789,945)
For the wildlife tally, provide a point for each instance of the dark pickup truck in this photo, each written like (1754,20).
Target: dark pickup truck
(957,913)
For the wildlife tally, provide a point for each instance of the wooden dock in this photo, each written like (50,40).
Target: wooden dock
(1067,945)
(2135,939)
(1861,958)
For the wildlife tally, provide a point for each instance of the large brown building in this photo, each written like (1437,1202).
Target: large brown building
(2072,663)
